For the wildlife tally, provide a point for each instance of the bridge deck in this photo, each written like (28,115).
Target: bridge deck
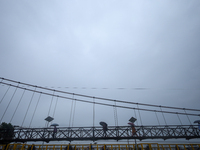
(96,133)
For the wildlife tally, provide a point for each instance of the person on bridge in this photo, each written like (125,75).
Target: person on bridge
(104,147)
(32,147)
(105,127)
(198,121)
(134,132)
(54,131)
(90,147)
(69,147)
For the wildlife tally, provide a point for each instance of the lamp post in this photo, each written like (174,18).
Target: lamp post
(132,120)
(48,119)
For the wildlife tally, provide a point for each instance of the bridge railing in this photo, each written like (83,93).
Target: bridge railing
(97,133)
(141,146)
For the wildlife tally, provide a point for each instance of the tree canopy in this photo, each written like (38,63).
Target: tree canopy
(6,131)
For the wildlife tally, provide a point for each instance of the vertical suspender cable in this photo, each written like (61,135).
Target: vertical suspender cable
(163,116)
(55,107)
(47,123)
(51,103)
(157,118)
(28,106)
(70,118)
(17,105)
(93,111)
(135,116)
(74,112)
(9,102)
(139,114)
(35,110)
(115,114)
(187,116)
(5,94)
(179,119)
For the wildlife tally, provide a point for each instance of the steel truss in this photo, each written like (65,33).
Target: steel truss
(97,133)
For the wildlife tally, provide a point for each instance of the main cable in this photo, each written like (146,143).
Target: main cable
(86,101)
(106,99)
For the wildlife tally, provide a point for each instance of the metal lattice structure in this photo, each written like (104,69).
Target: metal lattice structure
(96,133)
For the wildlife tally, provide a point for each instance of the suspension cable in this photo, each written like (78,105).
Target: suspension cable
(93,111)
(179,119)
(157,118)
(74,112)
(28,106)
(139,115)
(17,105)
(5,93)
(9,103)
(98,97)
(35,110)
(163,116)
(135,115)
(55,107)
(187,117)
(126,107)
(1,81)
(51,103)
(115,114)
(70,118)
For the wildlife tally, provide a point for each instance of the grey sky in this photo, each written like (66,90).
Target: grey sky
(105,44)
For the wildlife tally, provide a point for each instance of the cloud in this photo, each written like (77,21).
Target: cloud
(103,46)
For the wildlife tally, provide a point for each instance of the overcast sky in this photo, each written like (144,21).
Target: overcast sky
(133,50)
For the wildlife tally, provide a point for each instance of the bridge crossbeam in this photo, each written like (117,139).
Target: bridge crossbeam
(97,133)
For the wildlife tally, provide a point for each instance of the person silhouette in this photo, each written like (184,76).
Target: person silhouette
(105,127)
(54,131)
(134,132)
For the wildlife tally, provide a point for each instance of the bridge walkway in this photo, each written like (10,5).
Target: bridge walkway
(96,133)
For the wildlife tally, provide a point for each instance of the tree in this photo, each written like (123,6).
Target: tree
(6,132)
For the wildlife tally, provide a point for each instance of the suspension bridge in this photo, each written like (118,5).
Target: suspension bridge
(20,103)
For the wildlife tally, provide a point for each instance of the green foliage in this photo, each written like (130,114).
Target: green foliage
(6,131)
